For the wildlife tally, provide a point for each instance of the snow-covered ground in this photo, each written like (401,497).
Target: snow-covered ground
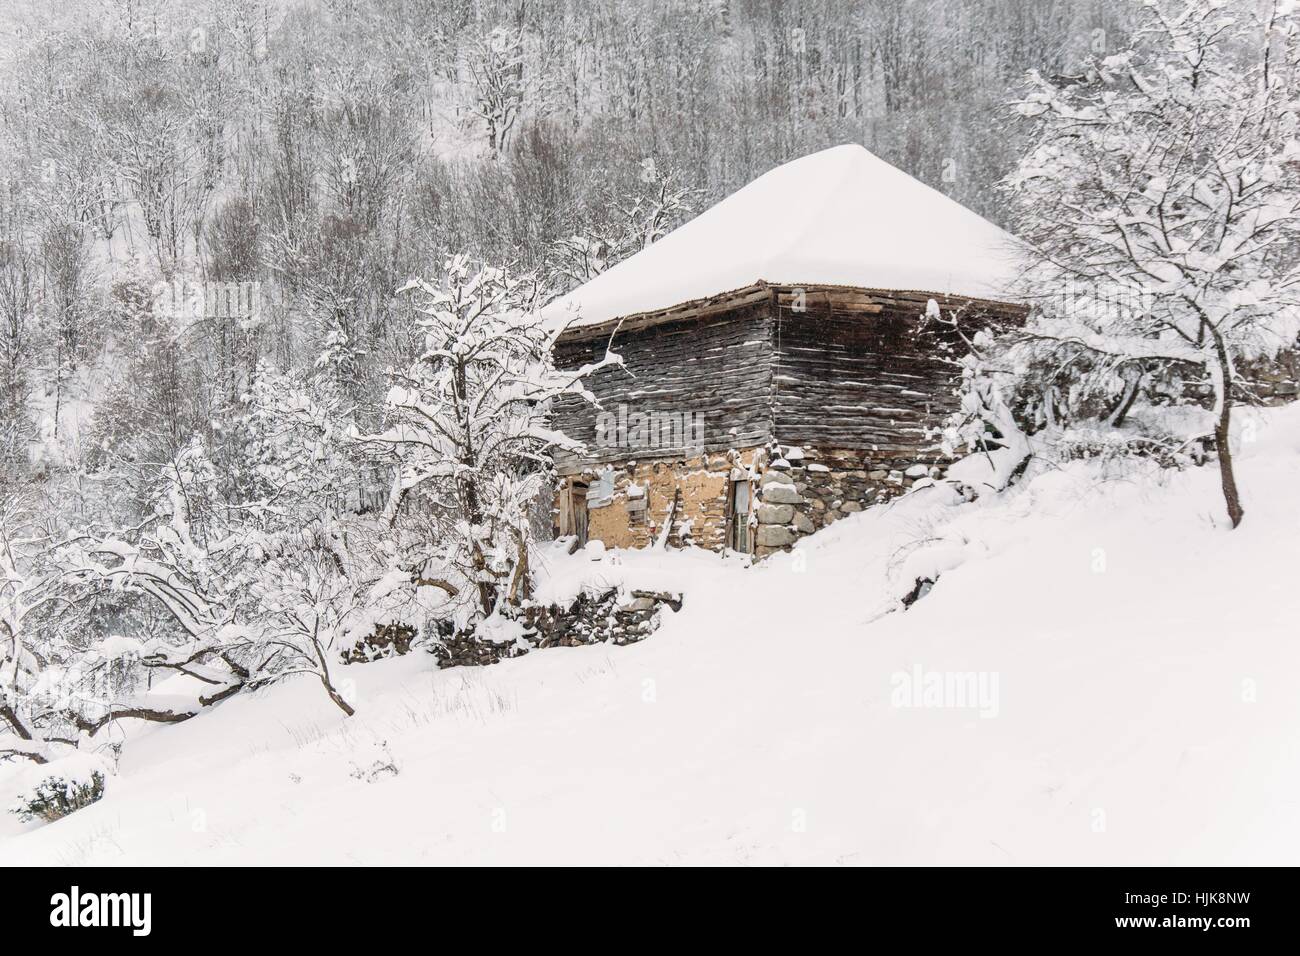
(1137,669)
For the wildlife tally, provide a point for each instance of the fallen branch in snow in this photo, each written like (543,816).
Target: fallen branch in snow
(144,713)
(922,587)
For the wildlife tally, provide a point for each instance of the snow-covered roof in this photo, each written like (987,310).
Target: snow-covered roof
(841,216)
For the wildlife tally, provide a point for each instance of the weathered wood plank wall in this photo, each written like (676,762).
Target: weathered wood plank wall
(872,382)
(717,366)
(823,377)
(854,381)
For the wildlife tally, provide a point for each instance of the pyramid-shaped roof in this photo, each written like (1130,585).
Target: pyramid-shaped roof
(841,216)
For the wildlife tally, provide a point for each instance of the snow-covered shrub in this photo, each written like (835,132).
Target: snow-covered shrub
(985,425)
(64,787)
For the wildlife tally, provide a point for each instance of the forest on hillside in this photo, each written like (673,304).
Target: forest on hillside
(307,157)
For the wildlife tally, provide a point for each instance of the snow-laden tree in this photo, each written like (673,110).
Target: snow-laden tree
(1161,200)
(22,591)
(264,565)
(18,295)
(625,223)
(496,68)
(470,431)
(58,689)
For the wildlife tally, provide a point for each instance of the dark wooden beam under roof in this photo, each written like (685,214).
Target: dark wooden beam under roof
(722,302)
(816,297)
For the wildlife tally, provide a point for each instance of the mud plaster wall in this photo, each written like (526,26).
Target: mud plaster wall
(701,514)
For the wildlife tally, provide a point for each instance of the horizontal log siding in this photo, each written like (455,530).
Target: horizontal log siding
(872,382)
(719,366)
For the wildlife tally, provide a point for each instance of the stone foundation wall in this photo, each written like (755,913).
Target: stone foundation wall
(796,492)
(1275,382)
(802,490)
(1267,382)
(615,616)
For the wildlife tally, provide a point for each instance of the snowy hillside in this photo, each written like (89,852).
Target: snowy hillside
(1138,701)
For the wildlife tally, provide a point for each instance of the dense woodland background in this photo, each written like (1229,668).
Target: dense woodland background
(328,150)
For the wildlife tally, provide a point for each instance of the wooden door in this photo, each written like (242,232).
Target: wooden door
(578,509)
(739,503)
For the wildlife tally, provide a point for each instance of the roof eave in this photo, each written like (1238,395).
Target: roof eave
(841,298)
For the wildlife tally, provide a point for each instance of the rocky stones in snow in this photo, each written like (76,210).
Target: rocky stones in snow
(616,616)
(775,514)
(804,489)
(781,495)
(774,536)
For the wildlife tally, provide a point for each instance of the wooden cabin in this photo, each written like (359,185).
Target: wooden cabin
(747,414)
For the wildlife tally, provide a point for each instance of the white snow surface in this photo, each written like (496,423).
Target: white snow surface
(841,216)
(1147,707)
